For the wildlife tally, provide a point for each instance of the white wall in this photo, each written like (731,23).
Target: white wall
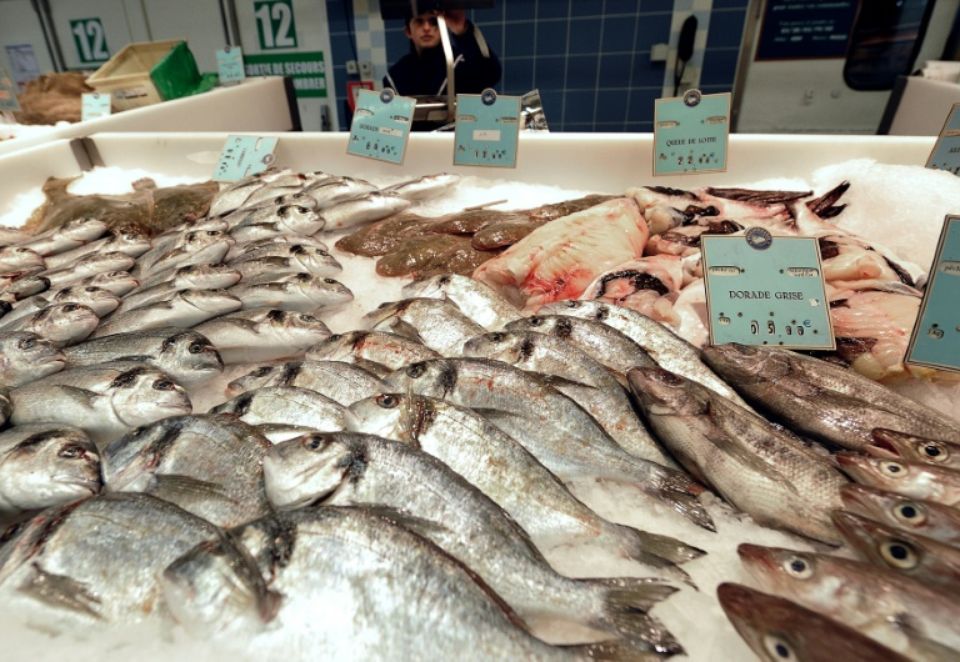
(197,21)
(19,25)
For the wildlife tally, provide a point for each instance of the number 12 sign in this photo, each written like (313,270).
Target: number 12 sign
(90,40)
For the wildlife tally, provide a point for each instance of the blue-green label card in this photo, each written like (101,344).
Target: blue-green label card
(8,92)
(381,126)
(243,156)
(230,65)
(487,132)
(946,151)
(764,290)
(690,133)
(94,105)
(935,341)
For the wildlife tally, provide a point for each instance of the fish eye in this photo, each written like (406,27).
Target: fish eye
(27,343)
(196,347)
(497,337)
(909,513)
(276,315)
(444,280)
(329,281)
(213,233)
(322,252)
(416,370)
(314,442)
(892,469)
(535,321)
(668,378)
(163,385)
(303,278)
(303,317)
(262,371)
(335,337)
(388,401)
(935,451)
(91,288)
(301,210)
(297,249)
(72,452)
(778,648)
(798,567)
(899,554)
(70,307)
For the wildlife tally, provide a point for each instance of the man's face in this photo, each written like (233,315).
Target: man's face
(423,31)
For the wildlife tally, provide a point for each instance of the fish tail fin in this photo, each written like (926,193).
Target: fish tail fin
(631,650)
(642,545)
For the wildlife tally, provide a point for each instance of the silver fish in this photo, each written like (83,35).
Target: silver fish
(347,469)
(329,192)
(263,334)
(287,405)
(104,400)
(760,470)
(62,324)
(507,473)
(579,377)
(314,259)
(295,561)
(127,242)
(342,382)
(377,351)
(552,427)
(872,600)
(300,291)
(423,188)
(436,323)
(26,356)
(272,241)
(185,309)
(115,282)
(475,299)
(670,351)
(101,301)
(45,465)
(210,466)
(824,400)
(269,267)
(185,355)
(277,432)
(912,479)
(20,258)
(290,219)
(202,247)
(235,195)
(89,265)
(195,277)
(278,188)
(924,518)
(366,209)
(68,236)
(890,443)
(97,561)
(12,236)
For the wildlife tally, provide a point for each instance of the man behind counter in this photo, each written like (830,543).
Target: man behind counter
(423,71)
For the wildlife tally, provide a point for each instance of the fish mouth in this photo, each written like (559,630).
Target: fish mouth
(881,444)
(854,495)
(848,461)
(735,599)
(756,555)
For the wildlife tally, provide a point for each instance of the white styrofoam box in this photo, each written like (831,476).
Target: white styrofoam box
(924,106)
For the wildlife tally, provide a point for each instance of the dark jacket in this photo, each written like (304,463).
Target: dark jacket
(425,73)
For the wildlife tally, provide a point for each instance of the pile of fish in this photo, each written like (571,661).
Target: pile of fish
(399,489)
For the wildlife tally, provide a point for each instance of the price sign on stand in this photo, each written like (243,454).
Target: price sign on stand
(946,151)
(381,126)
(230,65)
(691,133)
(935,341)
(243,156)
(488,129)
(8,92)
(94,105)
(764,290)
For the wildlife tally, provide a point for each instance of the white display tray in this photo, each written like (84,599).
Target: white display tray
(256,104)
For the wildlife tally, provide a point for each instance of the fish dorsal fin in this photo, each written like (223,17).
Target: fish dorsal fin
(174,484)
(419,525)
(77,395)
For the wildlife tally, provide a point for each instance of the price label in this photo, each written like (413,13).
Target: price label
(691,133)
(487,131)
(946,151)
(8,92)
(381,126)
(935,341)
(230,65)
(243,156)
(94,105)
(764,290)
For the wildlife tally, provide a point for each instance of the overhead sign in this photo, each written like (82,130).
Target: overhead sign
(275,25)
(806,29)
(306,69)
(90,40)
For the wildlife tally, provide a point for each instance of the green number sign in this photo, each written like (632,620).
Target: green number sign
(90,40)
(275,25)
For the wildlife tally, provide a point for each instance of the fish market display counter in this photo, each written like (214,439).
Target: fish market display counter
(256,104)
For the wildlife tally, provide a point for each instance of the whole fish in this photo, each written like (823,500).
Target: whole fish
(579,377)
(297,561)
(777,629)
(348,469)
(45,465)
(431,254)
(824,400)
(278,245)
(924,518)
(70,235)
(233,196)
(911,479)
(290,219)
(287,405)
(300,291)
(164,241)
(342,382)
(328,192)
(12,236)
(187,356)
(423,188)
(100,301)
(603,343)
(438,324)
(186,308)
(278,259)
(62,324)
(923,559)
(388,235)
(507,473)
(201,277)
(665,347)
(97,561)
(560,434)
(127,242)
(210,466)
(277,189)
(264,269)
(84,267)
(890,443)
(20,258)
(263,334)
(376,351)
(476,300)
(365,209)
(277,432)
(884,605)
(27,356)
(199,247)
(104,400)
(762,471)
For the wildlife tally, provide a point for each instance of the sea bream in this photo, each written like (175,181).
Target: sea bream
(476,300)
(185,309)
(70,235)
(349,469)
(376,351)
(199,277)
(127,242)
(289,219)
(20,259)
(62,324)
(263,334)
(437,323)
(89,265)
(278,259)
(343,382)
(26,356)
(100,301)
(299,291)
(925,518)
(199,247)
(287,405)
